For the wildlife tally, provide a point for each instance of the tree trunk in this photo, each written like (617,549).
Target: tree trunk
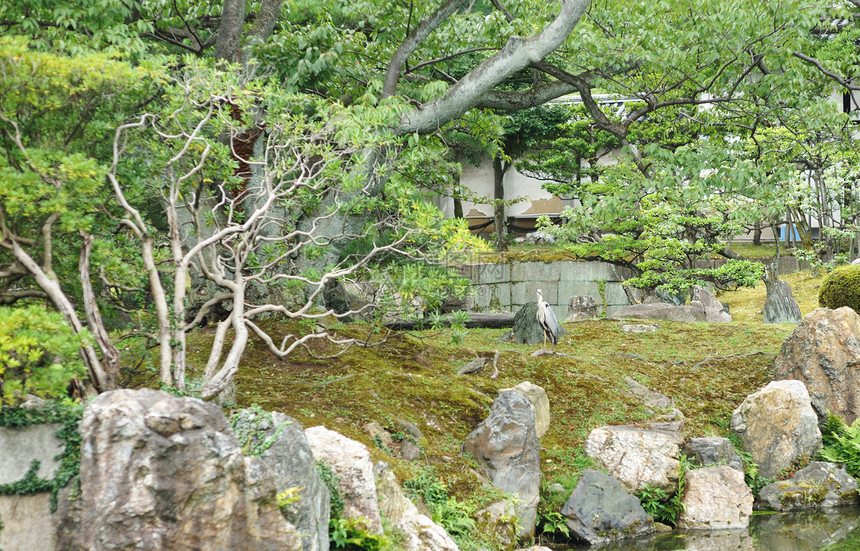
(757,234)
(499,218)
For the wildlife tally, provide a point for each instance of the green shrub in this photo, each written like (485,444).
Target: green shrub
(38,354)
(841,287)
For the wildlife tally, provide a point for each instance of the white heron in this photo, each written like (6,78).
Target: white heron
(546,319)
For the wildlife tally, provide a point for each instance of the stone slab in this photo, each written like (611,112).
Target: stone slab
(27,523)
(20,446)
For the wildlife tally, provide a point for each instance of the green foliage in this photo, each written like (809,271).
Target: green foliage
(250,425)
(797,464)
(659,504)
(330,479)
(751,473)
(552,523)
(38,354)
(453,515)
(841,443)
(352,535)
(841,287)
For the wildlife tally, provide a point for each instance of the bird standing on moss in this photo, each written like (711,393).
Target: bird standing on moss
(546,319)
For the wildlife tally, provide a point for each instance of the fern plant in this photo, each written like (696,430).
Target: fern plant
(841,443)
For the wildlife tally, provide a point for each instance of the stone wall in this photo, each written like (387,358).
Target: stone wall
(507,287)
(26,519)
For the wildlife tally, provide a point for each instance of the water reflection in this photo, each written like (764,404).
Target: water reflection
(769,532)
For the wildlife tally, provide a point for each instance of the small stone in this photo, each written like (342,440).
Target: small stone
(409,450)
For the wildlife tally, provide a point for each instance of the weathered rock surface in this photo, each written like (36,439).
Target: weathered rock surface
(419,532)
(713,451)
(648,397)
(660,311)
(526,329)
(600,511)
(26,522)
(777,426)
(288,455)
(824,353)
(715,498)
(538,398)
(714,311)
(496,521)
(506,447)
(159,472)
(637,456)
(581,307)
(779,304)
(818,486)
(33,442)
(350,461)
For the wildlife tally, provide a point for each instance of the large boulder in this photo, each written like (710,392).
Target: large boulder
(538,398)
(600,511)
(714,310)
(281,443)
(350,462)
(160,472)
(661,311)
(707,451)
(419,532)
(637,456)
(818,486)
(824,353)
(715,498)
(581,307)
(506,447)
(526,329)
(777,426)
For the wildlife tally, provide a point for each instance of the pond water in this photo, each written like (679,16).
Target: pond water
(767,532)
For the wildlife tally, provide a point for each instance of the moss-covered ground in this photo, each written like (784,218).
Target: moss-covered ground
(707,369)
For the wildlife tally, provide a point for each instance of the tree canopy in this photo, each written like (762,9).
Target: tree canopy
(168,164)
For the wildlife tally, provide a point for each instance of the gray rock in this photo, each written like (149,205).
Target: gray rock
(409,450)
(713,451)
(539,237)
(714,311)
(581,307)
(19,447)
(506,447)
(715,498)
(638,456)
(159,472)
(419,532)
(409,429)
(824,353)
(350,461)
(537,396)
(648,397)
(677,298)
(600,511)
(289,458)
(472,367)
(526,329)
(777,426)
(640,328)
(660,311)
(27,522)
(818,486)
(779,304)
